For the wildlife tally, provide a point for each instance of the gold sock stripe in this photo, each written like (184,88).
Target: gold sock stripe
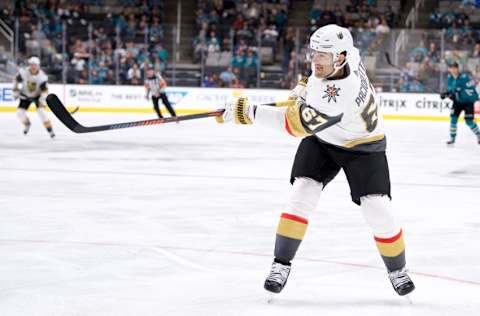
(47,124)
(292,226)
(391,247)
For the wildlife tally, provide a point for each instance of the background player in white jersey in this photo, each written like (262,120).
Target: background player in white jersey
(338,87)
(30,85)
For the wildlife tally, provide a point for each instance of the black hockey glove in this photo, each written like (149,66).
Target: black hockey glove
(444,95)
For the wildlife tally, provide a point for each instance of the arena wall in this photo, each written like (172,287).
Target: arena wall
(131,99)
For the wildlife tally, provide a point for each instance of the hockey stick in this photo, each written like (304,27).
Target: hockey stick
(75,110)
(66,118)
(402,71)
(389,61)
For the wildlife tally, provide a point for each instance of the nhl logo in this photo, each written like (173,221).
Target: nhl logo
(340,35)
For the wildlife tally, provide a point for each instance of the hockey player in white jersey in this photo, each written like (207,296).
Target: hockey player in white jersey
(30,85)
(338,88)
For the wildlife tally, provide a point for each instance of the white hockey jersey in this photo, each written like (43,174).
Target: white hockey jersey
(155,85)
(30,85)
(361,127)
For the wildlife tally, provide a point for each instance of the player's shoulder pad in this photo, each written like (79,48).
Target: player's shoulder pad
(314,121)
(22,72)
(293,120)
(43,76)
(303,120)
(303,81)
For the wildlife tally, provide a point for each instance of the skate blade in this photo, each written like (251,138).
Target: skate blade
(408,298)
(270,297)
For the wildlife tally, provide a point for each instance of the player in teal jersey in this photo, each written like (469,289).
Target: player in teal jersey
(462,91)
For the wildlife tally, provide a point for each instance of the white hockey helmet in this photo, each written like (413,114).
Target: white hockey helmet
(332,39)
(34,60)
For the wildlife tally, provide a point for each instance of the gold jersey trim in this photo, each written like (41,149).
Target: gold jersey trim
(364,140)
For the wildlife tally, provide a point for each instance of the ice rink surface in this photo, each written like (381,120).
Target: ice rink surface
(180,219)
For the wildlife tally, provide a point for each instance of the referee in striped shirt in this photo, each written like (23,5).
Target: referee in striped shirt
(155,86)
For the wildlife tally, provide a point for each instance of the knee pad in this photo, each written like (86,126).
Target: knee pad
(42,113)
(470,122)
(304,197)
(22,115)
(379,215)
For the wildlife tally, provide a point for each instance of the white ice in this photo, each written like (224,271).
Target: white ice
(181,219)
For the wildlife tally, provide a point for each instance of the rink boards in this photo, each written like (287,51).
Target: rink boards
(131,99)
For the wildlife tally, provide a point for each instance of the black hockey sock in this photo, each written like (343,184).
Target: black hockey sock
(290,232)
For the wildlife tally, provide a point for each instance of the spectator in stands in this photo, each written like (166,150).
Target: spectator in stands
(142,29)
(156,30)
(162,54)
(102,70)
(95,77)
(201,17)
(251,59)
(131,29)
(239,59)
(227,77)
(383,27)
(270,36)
(245,33)
(242,45)
(315,14)
(433,53)
(213,18)
(419,53)
(448,18)
(236,84)
(238,23)
(476,50)
(132,50)
(416,85)
(279,18)
(134,75)
(110,77)
(253,10)
(467,32)
(435,19)
(78,63)
(211,81)
(83,77)
(213,44)
(288,47)
(100,36)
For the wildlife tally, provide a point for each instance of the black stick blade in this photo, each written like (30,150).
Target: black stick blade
(62,114)
(387,57)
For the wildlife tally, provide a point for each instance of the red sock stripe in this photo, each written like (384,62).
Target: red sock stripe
(389,240)
(295,218)
(288,127)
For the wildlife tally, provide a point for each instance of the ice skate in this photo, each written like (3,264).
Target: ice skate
(26,128)
(50,132)
(277,278)
(451,142)
(401,282)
